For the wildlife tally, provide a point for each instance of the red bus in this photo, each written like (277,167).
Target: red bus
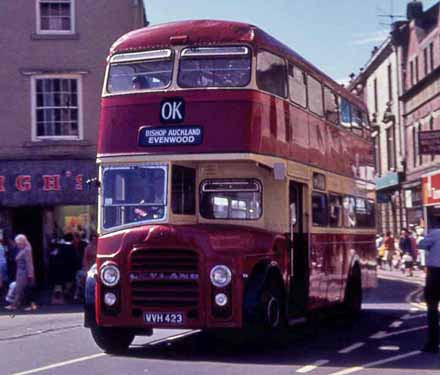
(235,186)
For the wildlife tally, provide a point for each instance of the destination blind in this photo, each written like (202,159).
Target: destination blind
(170,135)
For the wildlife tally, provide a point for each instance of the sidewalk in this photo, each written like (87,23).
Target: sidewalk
(417,278)
(45,306)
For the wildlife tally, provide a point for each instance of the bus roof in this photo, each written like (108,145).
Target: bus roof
(215,32)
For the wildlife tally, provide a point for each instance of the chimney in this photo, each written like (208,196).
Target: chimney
(414,11)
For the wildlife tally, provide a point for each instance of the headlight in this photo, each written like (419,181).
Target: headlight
(110,275)
(220,276)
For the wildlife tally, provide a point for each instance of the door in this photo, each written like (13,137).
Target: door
(299,251)
(29,221)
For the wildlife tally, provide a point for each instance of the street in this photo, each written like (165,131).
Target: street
(386,339)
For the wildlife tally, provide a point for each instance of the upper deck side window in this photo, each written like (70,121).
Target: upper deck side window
(140,71)
(331,106)
(215,67)
(345,113)
(297,85)
(314,88)
(271,73)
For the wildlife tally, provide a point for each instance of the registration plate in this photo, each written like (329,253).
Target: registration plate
(163,318)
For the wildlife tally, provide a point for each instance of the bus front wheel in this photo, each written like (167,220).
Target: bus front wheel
(112,340)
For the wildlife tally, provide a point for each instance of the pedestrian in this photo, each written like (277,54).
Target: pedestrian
(24,271)
(431,243)
(380,249)
(407,248)
(388,243)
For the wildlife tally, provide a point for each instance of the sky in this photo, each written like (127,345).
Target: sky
(335,35)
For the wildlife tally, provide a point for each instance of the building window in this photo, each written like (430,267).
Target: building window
(56,107)
(417,69)
(419,129)
(391,148)
(411,66)
(376,101)
(431,127)
(414,146)
(390,83)
(55,16)
(376,141)
(425,60)
(431,56)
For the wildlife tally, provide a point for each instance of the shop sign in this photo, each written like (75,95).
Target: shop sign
(46,182)
(387,181)
(429,142)
(431,189)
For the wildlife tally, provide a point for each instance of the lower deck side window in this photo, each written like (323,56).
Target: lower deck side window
(238,199)
(319,209)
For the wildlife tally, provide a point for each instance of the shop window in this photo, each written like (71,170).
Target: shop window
(331,106)
(55,16)
(70,219)
(271,74)
(349,206)
(297,86)
(56,106)
(314,94)
(335,211)
(319,209)
(183,190)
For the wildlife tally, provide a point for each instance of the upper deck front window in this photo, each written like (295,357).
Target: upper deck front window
(140,71)
(133,194)
(215,67)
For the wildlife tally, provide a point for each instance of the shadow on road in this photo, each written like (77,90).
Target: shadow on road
(310,342)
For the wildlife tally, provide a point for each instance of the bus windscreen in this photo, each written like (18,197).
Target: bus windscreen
(133,194)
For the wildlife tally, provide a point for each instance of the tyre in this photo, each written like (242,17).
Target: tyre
(112,340)
(353,294)
(272,312)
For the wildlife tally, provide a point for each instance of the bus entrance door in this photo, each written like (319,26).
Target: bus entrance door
(299,251)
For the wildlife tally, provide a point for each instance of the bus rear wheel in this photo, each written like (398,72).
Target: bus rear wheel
(112,340)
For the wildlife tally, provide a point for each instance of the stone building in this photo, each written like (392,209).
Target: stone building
(54,54)
(379,85)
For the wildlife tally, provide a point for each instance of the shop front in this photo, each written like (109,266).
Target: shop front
(389,203)
(431,200)
(45,200)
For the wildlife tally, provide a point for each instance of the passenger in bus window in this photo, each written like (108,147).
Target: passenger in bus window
(139,82)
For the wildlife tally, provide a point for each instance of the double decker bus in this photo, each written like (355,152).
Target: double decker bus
(235,186)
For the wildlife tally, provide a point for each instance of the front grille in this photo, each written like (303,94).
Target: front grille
(164,278)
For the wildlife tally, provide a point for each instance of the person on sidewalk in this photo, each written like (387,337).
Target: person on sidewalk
(431,243)
(388,244)
(407,248)
(25,271)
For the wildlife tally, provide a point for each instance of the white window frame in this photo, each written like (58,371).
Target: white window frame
(56,32)
(34,107)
